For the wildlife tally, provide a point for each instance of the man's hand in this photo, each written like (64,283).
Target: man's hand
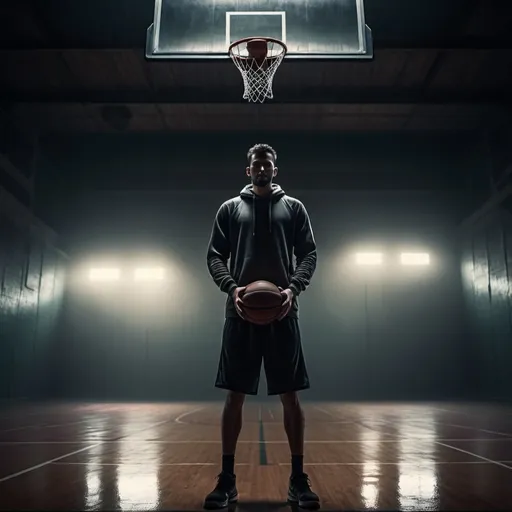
(287,302)
(237,295)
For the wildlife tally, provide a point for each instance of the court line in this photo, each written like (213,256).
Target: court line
(44,426)
(413,464)
(325,411)
(310,422)
(136,464)
(266,422)
(465,427)
(89,447)
(360,423)
(389,422)
(501,464)
(466,413)
(178,419)
(32,468)
(337,420)
(495,432)
(271,415)
(420,463)
(216,441)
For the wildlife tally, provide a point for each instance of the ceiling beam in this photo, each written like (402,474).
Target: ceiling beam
(282,95)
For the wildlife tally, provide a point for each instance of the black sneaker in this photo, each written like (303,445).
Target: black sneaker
(300,492)
(224,493)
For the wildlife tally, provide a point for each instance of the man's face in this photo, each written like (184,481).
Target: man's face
(262,170)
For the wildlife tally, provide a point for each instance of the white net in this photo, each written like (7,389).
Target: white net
(257,73)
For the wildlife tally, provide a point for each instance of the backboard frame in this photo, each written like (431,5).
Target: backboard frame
(365,40)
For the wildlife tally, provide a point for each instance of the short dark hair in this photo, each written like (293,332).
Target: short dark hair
(261,148)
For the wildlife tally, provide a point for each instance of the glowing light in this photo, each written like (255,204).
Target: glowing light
(149,274)
(369,258)
(104,274)
(414,258)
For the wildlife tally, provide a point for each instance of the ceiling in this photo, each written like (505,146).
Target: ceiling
(80,67)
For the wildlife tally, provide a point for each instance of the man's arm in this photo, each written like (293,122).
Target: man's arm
(218,252)
(305,253)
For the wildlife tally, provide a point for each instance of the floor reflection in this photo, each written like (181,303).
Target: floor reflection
(360,456)
(417,484)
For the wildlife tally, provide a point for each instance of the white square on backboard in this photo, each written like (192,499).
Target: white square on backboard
(229,14)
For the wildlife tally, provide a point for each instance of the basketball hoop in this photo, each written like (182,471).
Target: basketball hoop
(257,59)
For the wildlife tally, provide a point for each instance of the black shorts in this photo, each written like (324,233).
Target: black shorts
(245,346)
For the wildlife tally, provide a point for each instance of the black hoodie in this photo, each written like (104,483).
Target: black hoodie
(259,235)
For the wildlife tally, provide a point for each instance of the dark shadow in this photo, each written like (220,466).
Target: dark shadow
(260,506)
(265,506)
(272,506)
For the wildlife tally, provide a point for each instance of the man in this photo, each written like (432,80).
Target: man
(259,231)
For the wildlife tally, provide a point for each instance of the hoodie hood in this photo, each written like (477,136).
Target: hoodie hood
(276,193)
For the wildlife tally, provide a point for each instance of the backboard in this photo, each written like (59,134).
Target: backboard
(204,29)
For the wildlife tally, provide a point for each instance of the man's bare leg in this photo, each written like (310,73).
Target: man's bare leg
(299,491)
(231,427)
(225,491)
(294,424)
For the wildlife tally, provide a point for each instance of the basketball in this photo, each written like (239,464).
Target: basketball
(257,49)
(261,302)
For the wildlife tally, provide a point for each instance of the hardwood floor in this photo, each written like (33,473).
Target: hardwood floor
(383,456)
